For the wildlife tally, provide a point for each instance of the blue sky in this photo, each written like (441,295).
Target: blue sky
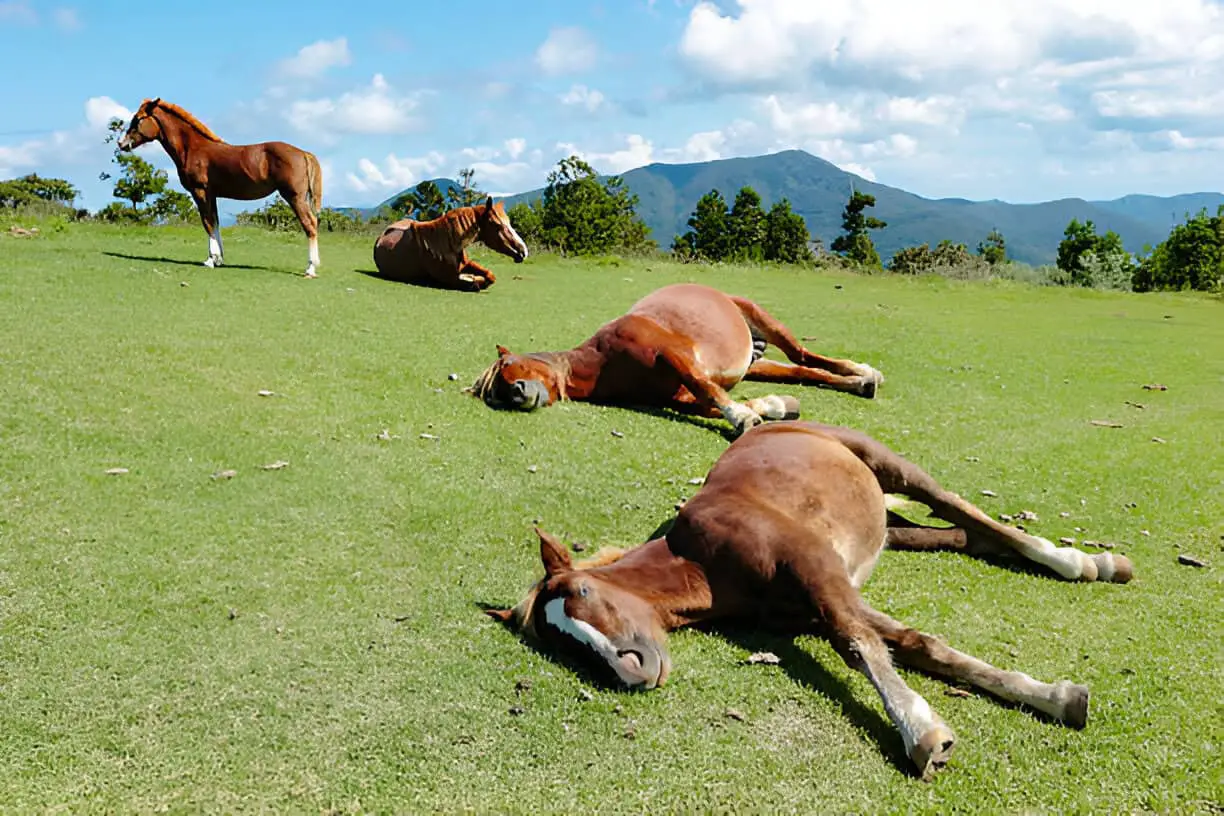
(972,98)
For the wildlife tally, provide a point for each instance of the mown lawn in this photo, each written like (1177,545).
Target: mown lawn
(311,638)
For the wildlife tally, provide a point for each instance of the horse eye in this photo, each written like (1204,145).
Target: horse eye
(584,590)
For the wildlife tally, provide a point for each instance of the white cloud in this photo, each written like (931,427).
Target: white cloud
(859,170)
(567,50)
(395,173)
(1175,140)
(582,96)
(515,147)
(1156,104)
(316,59)
(792,120)
(950,40)
(638,151)
(17,11)
(375,109)
(67,18)
(99,110)
(934,111)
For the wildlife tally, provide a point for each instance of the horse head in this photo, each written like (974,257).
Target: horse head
(143,128)
(523,382)
(591,621)
(497,233)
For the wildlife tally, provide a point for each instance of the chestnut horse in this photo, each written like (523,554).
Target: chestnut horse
(786,530)
(680,347)
(435,252)
(209,169)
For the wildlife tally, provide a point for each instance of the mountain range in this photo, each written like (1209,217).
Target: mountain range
(818,190)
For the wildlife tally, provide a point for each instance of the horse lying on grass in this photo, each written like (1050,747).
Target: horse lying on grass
(786,530)
(680,347)
(435,252)
(210,169)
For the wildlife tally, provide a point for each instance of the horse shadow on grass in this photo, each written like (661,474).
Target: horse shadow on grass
(424,283)
(175,261)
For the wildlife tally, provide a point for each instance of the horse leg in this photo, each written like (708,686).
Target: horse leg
(481,277)
(207,206)
(1064,701)
(647,342)
(770,407)
(300,202)
(775,372)
(898,475)
(773,331)
(849,628)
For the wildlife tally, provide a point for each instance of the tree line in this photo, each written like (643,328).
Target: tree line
(581,213)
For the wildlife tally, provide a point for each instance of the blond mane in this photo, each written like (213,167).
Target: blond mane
(190,119)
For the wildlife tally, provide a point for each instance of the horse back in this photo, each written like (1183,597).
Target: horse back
(783,495)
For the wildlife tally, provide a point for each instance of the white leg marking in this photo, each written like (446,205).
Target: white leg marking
(906,708)
(214,249)
(312,267)
(1068,562)
(741,416)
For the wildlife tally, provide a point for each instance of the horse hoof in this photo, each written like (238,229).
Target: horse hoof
(932,751)
(790,407)
(1074,699)
(867,389)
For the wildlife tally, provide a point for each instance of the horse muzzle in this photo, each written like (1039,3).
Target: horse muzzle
(528,395)
(642,663)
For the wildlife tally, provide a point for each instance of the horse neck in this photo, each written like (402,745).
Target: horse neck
(675,587)
(466,224)
(173,135)
(578,369)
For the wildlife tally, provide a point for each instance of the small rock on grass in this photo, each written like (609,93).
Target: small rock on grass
(263,392)
(116,471)
(1067,541)
(768,658)
(618,434)
(699,480)
(1155,387)
(1158,440)
(452,377)
(1105,423)
(532,468)
(735,714)
(279,464)
(430,436)
(1190,561)
(989,493)
(585,695)
(222,475)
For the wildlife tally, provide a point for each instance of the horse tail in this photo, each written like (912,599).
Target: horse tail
(314,183)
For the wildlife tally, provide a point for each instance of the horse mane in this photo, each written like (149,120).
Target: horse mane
(523,612)
(191,120)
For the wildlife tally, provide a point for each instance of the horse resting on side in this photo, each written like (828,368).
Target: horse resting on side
(209,168)
(435,252)
(680,347)
(786,530)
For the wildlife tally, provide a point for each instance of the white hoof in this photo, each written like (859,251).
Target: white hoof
(211,262)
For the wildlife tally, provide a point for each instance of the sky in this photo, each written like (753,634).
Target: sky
(977,99)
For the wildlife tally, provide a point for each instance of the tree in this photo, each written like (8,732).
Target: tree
(580,215)
(854,242)
(953,260)
(746,226)
(526,221)
(142,183)
(172,207)
(786,235)
(465,193)
(993,249)
(423,203)
(707,237)
(139,182)
(1192,257)
(57,191)
(1088,259)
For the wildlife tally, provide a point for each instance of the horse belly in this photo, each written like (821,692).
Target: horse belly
(624,379)
(722,341)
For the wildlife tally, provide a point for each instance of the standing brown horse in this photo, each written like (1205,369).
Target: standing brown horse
(209,169)
(435,252)
(680,347)
(786,530)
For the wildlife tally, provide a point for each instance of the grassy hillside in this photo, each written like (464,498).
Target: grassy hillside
(310,638)
(818,191)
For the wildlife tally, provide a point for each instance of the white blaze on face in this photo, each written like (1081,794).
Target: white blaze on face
(587,635)
(519,242)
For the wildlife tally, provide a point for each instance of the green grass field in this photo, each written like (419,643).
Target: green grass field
(311,638)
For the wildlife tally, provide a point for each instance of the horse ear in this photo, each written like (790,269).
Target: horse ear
(502,351)
(489,202)
(555,557)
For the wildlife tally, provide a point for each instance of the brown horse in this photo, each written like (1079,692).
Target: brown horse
(786,530)
(680,347)
(435,252)
(209,169)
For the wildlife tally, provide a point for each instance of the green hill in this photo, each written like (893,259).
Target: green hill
(818,190)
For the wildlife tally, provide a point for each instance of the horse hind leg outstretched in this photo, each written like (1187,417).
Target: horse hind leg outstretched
(978,533)
(808,368)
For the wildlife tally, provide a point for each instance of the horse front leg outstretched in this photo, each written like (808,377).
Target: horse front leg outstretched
(809,367)
(475,275)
